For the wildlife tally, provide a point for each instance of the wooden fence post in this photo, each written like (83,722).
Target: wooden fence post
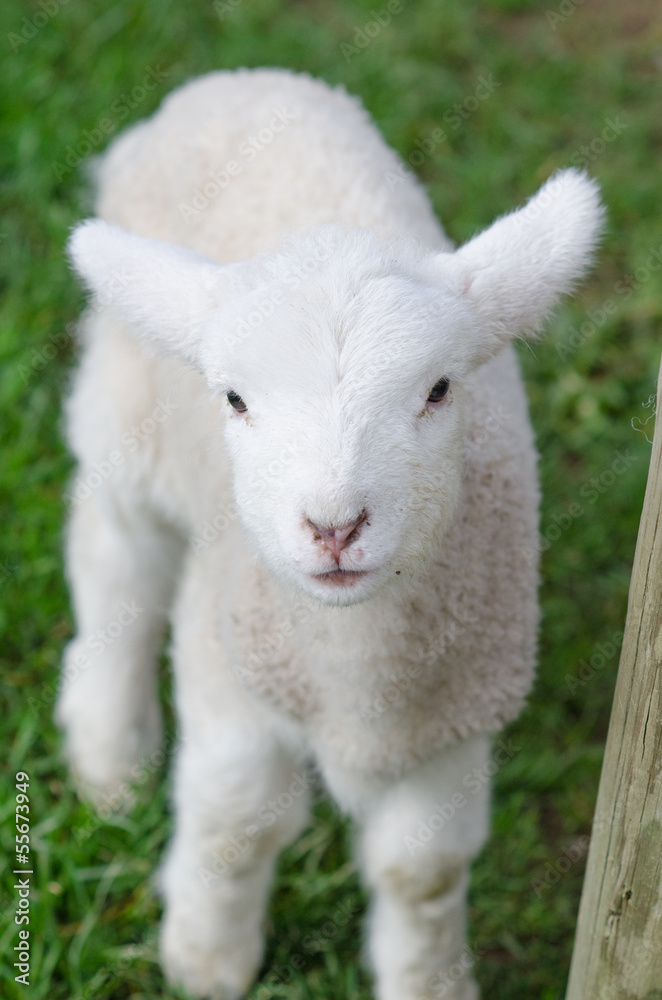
(618,946)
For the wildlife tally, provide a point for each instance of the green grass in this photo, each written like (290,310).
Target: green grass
(94,911)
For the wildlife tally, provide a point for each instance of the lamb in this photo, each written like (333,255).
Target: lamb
(303,439)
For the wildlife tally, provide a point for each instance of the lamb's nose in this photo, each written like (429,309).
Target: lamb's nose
(335,539)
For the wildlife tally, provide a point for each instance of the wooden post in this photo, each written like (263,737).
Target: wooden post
(618,947)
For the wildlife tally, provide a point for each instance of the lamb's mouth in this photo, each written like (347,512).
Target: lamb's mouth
(341,577)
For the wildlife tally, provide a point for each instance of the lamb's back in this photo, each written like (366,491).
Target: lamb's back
(326,163)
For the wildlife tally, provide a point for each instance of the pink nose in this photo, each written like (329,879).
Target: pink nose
(336,539)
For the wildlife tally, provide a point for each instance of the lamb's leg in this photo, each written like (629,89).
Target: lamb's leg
(121,568)
(418,837)
(241,795)
(237,806)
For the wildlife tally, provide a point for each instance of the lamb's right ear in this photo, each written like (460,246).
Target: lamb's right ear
(162,291)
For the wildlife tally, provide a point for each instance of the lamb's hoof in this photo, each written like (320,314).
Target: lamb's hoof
(104,762)
(212,973)
(105,778)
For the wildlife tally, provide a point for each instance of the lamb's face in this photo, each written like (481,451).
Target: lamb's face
(343,365)
(344,402)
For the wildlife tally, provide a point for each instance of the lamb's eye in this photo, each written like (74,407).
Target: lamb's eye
(439,391)
(237,402)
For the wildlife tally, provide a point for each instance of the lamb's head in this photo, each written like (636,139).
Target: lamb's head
(343,361)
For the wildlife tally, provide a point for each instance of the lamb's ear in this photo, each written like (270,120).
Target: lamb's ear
(513,274)
(163,292)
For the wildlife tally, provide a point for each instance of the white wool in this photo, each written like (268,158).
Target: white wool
(257,237)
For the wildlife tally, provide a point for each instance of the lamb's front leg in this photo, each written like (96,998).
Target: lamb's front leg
(241,795)
(238,804)
(418,837)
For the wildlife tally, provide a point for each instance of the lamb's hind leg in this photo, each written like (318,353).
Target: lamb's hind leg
(121,567)
(418,837)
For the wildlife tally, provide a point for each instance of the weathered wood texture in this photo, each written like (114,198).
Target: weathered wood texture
(618,947)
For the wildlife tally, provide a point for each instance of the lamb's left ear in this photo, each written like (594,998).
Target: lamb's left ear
(513,274)
(164,292)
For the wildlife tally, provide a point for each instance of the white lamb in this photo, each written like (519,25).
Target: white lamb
(312,453)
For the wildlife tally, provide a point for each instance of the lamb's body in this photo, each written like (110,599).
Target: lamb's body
(459,640)
(266,675)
